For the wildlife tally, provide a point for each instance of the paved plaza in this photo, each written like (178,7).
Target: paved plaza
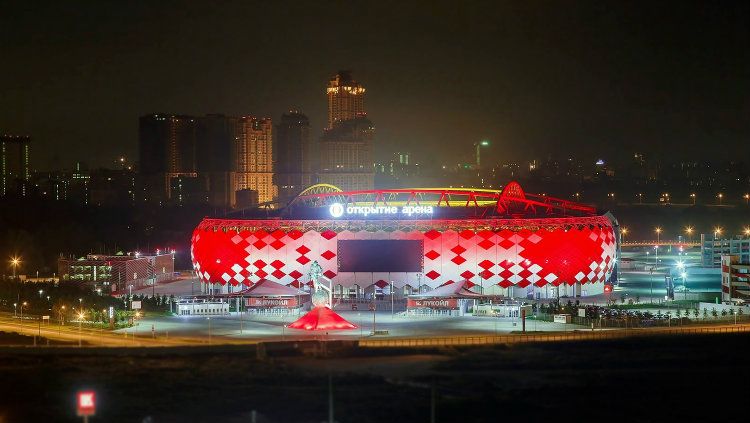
(250,326)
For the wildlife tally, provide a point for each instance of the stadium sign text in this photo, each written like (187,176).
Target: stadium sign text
(339,210)
(448,303)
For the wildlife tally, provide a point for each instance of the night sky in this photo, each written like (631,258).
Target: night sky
(591,79)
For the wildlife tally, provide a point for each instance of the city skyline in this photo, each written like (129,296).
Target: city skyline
(626,74)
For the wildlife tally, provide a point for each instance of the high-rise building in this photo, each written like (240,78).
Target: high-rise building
(186,159)
(346,158)
(346,155)
(346,98)
(217,135)
(14,164)
(253,158)
(167,149)
(294,157)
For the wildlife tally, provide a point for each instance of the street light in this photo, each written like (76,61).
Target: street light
(14,263)
(746,231)
(689,232)
(720,197)
(693,197)
(81,315)
(41,291)
(15,306)
(747,199)
(623,232)
(717,231)
(23,304)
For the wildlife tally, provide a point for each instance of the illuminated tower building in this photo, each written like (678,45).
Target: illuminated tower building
(346,98)
(14,164)
(293,149)
(253,158)
(346,144)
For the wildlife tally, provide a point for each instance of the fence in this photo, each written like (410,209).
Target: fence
(635,322)
(551,337)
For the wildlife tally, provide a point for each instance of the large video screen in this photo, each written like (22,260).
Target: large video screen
(364,255)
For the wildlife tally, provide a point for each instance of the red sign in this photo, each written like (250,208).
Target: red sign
(607,288)
(448,303)
(86,404)
(286,302)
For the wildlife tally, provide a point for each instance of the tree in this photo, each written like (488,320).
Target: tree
(705,313)
(637,298)
(714,312)
(695,313)
(724,313)
(622,298)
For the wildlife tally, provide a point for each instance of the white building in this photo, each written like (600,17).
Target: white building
(712,248)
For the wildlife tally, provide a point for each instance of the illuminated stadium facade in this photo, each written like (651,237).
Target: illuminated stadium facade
(502,242)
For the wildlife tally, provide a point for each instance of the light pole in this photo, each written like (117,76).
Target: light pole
(747,199)
(693,197)
(393,313)
(721,196)
(689,232)
(209,330)
(15,309)
(656,255)
(23,304)
(80,320)
(14,263)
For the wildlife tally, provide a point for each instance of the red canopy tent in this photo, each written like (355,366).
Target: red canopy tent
(322,318)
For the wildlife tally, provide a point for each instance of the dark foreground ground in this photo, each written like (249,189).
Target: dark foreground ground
(683,379)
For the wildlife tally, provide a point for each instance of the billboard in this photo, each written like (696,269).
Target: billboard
(445,304)
(288,302)
(380,255)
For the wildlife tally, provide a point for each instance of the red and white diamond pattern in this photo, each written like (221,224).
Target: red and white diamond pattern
(504,258)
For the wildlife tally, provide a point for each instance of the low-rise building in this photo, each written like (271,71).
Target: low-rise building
(112,273)
(735,278)
(712,248)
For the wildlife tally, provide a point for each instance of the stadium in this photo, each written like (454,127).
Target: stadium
(408,242)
